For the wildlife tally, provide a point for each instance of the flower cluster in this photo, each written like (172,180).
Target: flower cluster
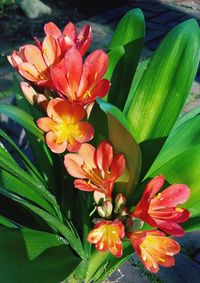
(66,86)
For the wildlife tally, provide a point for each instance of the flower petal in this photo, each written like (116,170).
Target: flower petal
(172,196)
(104,156)
(94,68)
(46,124)
(86,132)
(73,164)
(84,39)
(33,56)
(170,227)
(117,166)
(100,90)
(85,186)
(73,70)
(28,92)
(87,152)
(51,50)
(70,31)
(52,30)
(73,145)
(55,147)
(29,72)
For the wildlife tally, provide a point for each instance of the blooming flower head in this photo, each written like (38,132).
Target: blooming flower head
(161,210)
(107,236)
(154,248)
(78,81)
(96,169)
(64,127)
(69,37)
(34,63)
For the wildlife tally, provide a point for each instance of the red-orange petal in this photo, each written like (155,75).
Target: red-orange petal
(51,50)
(94,68)
(84,39)
(70,31)
(73,70)
(86,132)
(117,166)
(104,156)
(52,29)
(46,124)
(34,56)
(73,164)
(29,72)
(55,147)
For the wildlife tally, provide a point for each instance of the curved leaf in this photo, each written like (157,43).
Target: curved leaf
(166,83)
(29,256)
(123,142)
(129,34)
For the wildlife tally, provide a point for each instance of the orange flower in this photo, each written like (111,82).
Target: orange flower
(80,82)
(154,248)
(64,127)
(161,210)
(34,63)
(69,38)
(107,235)
(96,169)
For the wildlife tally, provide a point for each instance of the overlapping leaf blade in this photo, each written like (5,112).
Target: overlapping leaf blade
(29,256)
(166,83)
(129,34)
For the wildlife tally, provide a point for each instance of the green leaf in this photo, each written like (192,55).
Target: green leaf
(129,34)
(44,159)
(186,117)
(137,78)
(184,169)
(29,166)
(14,185)
(116,68)
(21,117)
(118,132)
(30,256)
(186,136)
(7,222)
(166,83)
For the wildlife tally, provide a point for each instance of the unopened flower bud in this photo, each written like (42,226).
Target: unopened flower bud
(105,210)
(28,92)
(120,201)
(99,197)
(124,211)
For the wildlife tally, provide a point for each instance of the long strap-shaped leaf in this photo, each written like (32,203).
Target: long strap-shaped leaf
(52,221)
(166,83)
(8,164)
(123,142)
(129,34)
(21,117)
(27,163)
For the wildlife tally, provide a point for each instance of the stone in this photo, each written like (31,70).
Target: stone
(101,34)
(34,9)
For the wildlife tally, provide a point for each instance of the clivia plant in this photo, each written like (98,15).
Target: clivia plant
(115,169)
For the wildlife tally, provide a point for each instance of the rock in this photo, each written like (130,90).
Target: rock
(101,34)
(34,9)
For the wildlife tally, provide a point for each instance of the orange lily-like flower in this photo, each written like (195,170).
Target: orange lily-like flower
(161,210)
(80,82)
(96,169)
(64,127)
(154,248)
(34,63)
(69,37)
(107,236)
